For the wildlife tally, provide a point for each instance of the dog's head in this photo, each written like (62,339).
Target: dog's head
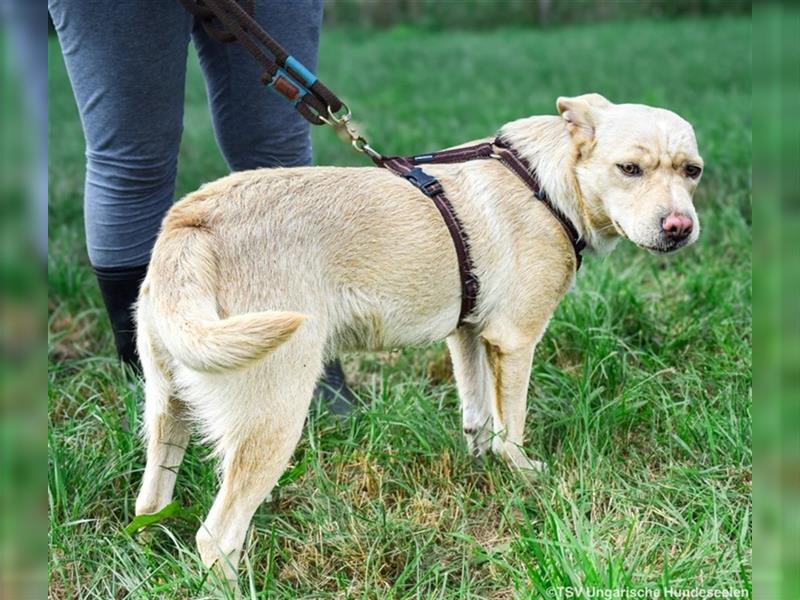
(637,168)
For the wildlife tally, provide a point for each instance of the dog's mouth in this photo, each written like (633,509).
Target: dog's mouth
(659,249)
(664,250)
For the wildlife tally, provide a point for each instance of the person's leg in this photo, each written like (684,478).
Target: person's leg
(257,128)
(126,62)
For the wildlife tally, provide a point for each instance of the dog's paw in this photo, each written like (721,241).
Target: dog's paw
(537,466)
(518,460)
(479,441)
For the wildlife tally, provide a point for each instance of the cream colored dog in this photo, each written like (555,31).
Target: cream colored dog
(259,276)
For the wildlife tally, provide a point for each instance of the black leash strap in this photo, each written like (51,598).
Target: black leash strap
(229,20)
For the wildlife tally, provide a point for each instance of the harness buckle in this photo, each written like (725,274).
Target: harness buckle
(428,185)
(471,287)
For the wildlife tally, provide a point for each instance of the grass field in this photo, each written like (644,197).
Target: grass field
(641,394)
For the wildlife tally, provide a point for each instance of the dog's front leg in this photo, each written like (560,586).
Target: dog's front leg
(475,387)
(511,371)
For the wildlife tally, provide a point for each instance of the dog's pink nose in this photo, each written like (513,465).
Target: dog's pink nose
(677,226)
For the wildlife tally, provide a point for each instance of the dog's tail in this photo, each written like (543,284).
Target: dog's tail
(183,280)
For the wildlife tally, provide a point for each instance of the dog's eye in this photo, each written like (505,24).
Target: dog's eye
(692,171)
(630,169)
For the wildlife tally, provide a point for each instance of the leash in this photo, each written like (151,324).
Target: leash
(229,20)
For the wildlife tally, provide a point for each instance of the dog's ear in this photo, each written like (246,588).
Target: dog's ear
(582,114)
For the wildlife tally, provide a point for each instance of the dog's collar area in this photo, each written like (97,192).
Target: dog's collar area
(408,168)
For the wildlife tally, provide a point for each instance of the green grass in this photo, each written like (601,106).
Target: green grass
(641,392)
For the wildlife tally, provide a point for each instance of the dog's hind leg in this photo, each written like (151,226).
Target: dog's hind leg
(166,430)
(475,387)
(255,452)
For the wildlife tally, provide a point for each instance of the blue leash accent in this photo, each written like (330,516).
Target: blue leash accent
(308,77)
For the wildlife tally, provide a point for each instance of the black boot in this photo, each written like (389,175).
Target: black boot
(332,390)
(120,289)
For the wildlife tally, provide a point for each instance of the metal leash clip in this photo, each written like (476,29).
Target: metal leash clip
(344,128)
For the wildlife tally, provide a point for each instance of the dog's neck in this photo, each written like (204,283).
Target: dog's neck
(545,143)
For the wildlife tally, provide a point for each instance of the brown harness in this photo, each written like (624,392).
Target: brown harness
(318,105)
(408,167)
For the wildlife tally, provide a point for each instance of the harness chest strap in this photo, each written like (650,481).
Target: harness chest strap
(430,186)
(407,167)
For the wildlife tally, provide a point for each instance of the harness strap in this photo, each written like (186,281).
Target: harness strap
(511,159)
(406,167)
(522,168)
(456,155)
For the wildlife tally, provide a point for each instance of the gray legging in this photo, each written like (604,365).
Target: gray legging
(127,65)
